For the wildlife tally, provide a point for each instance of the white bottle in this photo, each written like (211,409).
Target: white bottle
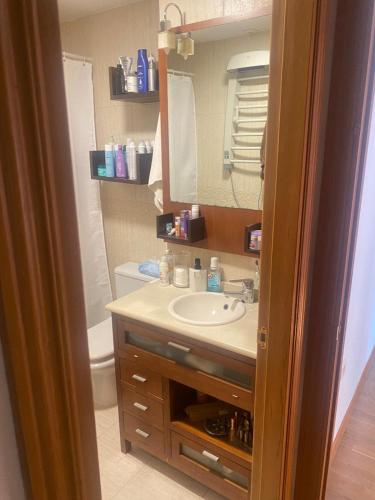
(164,271)
(141,147)
(198,277)
(131,156)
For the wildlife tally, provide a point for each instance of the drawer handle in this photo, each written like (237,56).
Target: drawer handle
(211,456)
(179,346)
(235,396)
(142,433)
(140,407)
(138,378)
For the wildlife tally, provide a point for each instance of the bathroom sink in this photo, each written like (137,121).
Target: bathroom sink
(206,309)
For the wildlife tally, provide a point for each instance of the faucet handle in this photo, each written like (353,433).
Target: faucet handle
(248,283)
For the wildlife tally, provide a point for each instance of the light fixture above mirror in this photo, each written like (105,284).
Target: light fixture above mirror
(167,38)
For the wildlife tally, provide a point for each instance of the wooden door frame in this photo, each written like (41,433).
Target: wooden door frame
(47,357)
(344,160)
(42,314)
(294,412)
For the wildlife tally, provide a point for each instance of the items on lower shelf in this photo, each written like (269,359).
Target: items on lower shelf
(253,239)
(212,420)
(138,97)
(180,229)
(142,168)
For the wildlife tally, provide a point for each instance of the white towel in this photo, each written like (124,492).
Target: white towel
(155,181)
(182,139)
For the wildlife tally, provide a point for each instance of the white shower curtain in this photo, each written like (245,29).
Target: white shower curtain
(80,105)
(182,139)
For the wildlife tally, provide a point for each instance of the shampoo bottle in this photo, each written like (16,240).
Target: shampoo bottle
(142,70)
(131,156)
(120,161)
(214,276)
(109,160)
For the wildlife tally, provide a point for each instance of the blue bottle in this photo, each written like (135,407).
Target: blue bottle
(142,71)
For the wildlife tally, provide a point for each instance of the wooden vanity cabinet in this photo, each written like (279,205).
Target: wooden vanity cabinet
(158,373)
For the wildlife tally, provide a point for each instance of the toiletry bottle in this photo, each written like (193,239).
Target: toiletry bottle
(151,73)
(131,156)
(198,277)
(256,282)
(164,271)
(120,163)
(177,226)
(232,431)
(118,79)
(126,64)
(194,211)
(141,147)
(126,170)
(214,276)
(170,260)
(142,68)
(109,160)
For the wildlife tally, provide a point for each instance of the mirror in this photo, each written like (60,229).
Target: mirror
(217,112)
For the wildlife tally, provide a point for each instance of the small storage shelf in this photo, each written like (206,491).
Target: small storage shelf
(247,239)
(196,229)
(138,97)
(97,158)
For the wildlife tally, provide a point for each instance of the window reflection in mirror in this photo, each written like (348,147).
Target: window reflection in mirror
(217,114)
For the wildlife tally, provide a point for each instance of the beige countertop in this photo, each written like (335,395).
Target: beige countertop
(150,305)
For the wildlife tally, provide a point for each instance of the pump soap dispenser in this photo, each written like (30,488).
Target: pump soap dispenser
(198,277)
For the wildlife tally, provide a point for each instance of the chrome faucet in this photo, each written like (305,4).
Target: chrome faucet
(247,292)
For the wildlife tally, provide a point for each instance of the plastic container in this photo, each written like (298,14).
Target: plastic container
(120,161)
(181,270)
(214,276)
(151,73)
(164,271)
(142,71)
(109,160)
(198,277)
(131,159)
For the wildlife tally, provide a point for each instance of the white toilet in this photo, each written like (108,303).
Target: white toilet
(100,338)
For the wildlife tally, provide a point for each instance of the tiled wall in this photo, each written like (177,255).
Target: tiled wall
(199,10)
(128,211)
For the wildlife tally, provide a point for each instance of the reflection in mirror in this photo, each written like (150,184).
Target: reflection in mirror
(217,113)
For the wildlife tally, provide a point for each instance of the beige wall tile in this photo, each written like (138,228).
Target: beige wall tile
(128,211)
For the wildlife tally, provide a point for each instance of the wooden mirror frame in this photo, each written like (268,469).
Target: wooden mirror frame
(224,225)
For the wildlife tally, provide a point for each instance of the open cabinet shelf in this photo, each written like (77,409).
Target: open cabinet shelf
(97,158)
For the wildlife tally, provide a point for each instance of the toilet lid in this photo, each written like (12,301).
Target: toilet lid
(100,341)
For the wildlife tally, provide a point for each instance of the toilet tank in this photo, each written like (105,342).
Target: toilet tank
(128,279)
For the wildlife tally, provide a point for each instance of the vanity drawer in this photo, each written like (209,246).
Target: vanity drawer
(232,368)
(140,378)
(147,409)
(145,435)
(210,468)
(225,391)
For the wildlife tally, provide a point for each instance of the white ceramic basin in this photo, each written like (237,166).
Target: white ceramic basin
(206,309)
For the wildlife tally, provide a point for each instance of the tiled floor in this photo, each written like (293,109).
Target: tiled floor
(138,475)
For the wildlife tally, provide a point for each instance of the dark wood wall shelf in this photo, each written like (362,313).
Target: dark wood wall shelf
(196,229)
(131,96)
(247,238)
(97,158)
